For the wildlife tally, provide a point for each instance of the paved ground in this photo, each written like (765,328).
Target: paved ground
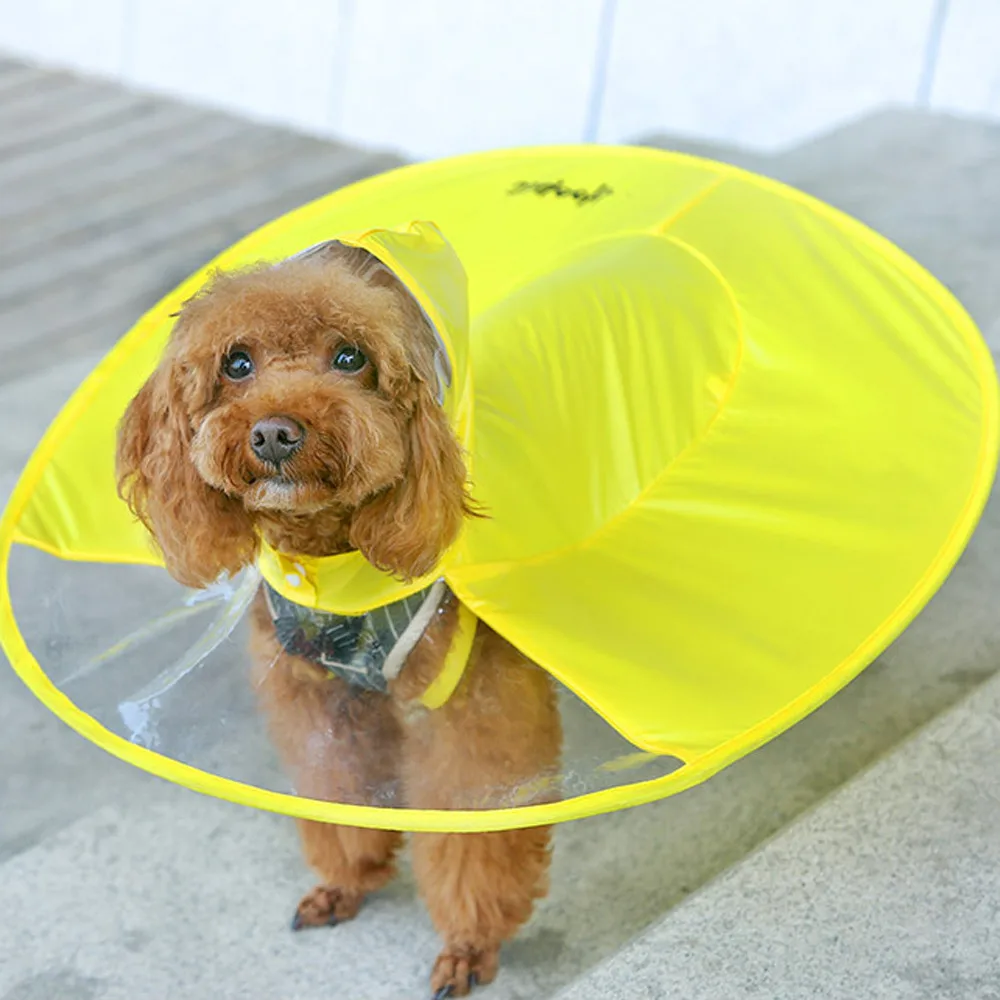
(889,891)
(116,885)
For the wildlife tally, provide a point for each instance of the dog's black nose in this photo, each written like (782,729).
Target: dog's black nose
(276,439)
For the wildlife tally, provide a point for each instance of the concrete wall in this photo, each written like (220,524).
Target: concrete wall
(434,77)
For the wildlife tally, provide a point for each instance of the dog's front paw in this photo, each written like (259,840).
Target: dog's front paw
(326,906)
(457,970)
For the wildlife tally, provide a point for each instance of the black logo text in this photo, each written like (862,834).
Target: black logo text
(559,188)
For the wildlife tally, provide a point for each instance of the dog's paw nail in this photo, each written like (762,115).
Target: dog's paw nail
(297,921)
(444,993)
(332,921)
(474,979)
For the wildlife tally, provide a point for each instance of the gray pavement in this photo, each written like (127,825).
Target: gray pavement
(889,891)
(109,198)
(115,884)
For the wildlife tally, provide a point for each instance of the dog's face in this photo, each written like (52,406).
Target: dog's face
(299,401)
(314,383)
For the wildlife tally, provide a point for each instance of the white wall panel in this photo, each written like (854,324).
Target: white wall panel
(434,77)
(438,77)
(87,35)
(274,61)
(759,72)
(968,70)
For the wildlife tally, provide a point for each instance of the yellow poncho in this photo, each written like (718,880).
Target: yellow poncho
(730,442)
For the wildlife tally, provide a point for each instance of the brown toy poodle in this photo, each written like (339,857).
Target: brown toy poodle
(297,402)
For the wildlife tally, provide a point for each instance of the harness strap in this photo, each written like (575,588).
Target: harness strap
(456,660)
(369,650)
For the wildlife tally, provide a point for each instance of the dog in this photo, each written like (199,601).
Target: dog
(298,403)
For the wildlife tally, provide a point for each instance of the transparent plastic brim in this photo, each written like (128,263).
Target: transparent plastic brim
(167,669)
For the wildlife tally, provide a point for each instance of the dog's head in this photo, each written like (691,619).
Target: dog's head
(300,401)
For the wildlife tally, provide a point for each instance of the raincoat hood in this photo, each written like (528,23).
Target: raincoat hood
(424,262)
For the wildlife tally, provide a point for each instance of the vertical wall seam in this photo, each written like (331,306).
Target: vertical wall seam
(932,52)
(340,59)
(599,77)
(129,30)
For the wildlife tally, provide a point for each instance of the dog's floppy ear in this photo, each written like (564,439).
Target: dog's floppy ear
(406,529)
(200,531)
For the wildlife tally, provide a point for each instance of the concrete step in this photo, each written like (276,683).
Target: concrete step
(98,225)
(890,889)
(18,78)
(74,116)
(87,306)
(56,167)
(47,207)
(113,237)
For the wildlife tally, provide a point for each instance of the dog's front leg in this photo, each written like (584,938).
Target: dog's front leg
(351,862)
(495,742)
(339,745)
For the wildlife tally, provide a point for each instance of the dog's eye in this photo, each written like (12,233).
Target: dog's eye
(349,359)
(237,365)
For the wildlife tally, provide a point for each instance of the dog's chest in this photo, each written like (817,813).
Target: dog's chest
(368,650)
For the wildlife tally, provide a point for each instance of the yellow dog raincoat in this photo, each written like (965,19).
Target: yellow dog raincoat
(730,442)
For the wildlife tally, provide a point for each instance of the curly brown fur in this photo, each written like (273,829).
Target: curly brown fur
(379,469)
(376,468)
